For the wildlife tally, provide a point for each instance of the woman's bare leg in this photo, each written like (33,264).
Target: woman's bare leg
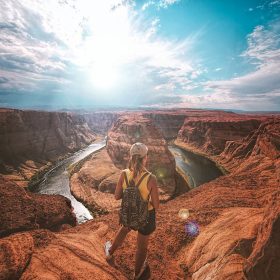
(141,252)
(119,238)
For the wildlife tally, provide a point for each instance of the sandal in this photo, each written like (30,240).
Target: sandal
(142,270)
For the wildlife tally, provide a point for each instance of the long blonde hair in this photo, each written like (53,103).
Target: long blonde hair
(135,164)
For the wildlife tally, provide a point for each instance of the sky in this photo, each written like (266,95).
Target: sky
(84,54)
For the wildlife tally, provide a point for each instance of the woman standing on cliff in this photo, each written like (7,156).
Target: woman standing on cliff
(147,186)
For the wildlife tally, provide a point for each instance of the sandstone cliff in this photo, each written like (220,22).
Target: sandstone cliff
(226,247)
(31,139)
(95,182)
(101,122)
(133,128)
(209,134)
(169,122)
(23,211)
(41,254)
(235,219)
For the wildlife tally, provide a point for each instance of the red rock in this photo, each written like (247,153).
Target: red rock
(75,254)
(237,214)
(261,145)
(225,248)
(15,254)
(210,134)
(22,210)
(133,128)
(169,123)
(94,184)
(101,121)
(31,139)
(264,261)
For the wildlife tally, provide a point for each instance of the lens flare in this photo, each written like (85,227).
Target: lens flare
(184,214)
(161,173)
(192,228)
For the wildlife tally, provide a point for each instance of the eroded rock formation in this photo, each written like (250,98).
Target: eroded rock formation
(209,134)
(40,254)
(30,140)
(133,128)
(242,238)
(23,211)
(94,184)
(101,122)
(237,216)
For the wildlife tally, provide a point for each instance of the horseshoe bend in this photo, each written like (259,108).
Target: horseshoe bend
(233,224)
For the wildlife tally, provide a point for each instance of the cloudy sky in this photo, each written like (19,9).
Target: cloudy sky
(150,53)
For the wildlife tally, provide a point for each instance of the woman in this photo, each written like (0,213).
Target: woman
(148,189)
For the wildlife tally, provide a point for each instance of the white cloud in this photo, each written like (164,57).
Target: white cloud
(166,3)
(159,4)
(147,5)
(53,40)
(261,87)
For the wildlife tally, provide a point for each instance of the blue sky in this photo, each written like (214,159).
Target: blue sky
(153,53)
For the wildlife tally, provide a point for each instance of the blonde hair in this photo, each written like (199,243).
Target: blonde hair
(136,165)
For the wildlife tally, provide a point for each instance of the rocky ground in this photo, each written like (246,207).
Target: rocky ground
(237,216)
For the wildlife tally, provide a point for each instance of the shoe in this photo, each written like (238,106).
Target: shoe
(107,247)
(142,270)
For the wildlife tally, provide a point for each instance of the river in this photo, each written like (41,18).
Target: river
(198,169)
(56,180)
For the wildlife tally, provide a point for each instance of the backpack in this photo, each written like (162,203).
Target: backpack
(134,211)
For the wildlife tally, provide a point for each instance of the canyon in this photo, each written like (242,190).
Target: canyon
(237,215)
(30,140)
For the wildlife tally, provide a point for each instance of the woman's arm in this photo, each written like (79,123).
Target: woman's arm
(153,187)
(119,190)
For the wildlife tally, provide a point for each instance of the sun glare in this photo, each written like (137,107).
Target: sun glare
(107,47)
(104,76)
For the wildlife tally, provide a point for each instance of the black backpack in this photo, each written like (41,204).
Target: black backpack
(134,212)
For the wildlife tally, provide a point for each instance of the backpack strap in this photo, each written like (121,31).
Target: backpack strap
(125,178)
(141,179)
(149,195)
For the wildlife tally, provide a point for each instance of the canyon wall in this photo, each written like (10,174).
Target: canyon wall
(169,123)
(232,231)
(240,242)
(31,139)
(133,128)
(209,134)
(101,122)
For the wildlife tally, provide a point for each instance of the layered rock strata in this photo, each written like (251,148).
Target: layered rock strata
(101,122)
(95,182)
(133,128)
(235,234)
(29,140)
(241,241)
(23,211)
(209,134)
(41,254)
(169,123)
